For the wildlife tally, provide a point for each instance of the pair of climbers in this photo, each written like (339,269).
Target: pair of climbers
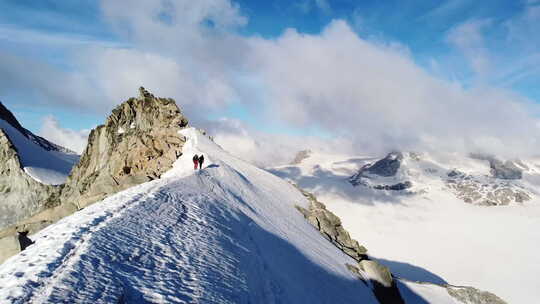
(198,161)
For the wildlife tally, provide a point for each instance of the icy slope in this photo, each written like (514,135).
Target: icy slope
(226,234)
(48,167)
(426,233)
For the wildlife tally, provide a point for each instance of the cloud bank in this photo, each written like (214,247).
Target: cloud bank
(368,96)
(71,139)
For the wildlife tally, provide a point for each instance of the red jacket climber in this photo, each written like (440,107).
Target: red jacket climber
(195,161)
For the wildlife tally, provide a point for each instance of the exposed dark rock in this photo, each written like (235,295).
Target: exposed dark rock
(506,170)
(485,190)
(387,166)
(329,225)
(396,187)
(24,240)
(383,284)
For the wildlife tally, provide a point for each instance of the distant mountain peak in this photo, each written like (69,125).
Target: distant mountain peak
(7,115)
(300,156)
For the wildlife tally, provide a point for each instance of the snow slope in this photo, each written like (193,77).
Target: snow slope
(431,235)
(226,234)
(47,167)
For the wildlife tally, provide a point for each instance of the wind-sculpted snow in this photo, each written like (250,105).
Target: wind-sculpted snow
(226,234)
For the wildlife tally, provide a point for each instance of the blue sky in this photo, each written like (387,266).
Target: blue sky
(53,51)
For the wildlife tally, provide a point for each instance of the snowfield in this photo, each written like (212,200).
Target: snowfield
(226,234)
(431,235)
(46,167)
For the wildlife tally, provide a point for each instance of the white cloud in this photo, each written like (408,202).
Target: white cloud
(119,72)
(46,83)
(371,93)
(469,39)
(377,96)
(71,139)
(268,150)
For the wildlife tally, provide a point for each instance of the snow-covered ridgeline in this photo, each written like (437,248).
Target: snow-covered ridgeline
(226,234)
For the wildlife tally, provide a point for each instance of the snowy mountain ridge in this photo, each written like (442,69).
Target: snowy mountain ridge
(226,234)
(429,232)
(481,180)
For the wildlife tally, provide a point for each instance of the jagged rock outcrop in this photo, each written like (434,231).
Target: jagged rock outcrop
(395,187)
(485,190)
(138,143)
(470,295)
(329,225)
(21,195)
(387,166)
(383,284)
(371,272)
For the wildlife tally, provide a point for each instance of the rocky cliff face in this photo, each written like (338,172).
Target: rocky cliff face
(377,276)
(138,143)
(21,195)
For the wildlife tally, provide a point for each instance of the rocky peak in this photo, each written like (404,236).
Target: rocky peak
(387,166)
(145,113)
(143,94)
(373,175)
(138,143)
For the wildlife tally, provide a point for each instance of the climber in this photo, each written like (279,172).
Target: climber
(201,161)
(196,161)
